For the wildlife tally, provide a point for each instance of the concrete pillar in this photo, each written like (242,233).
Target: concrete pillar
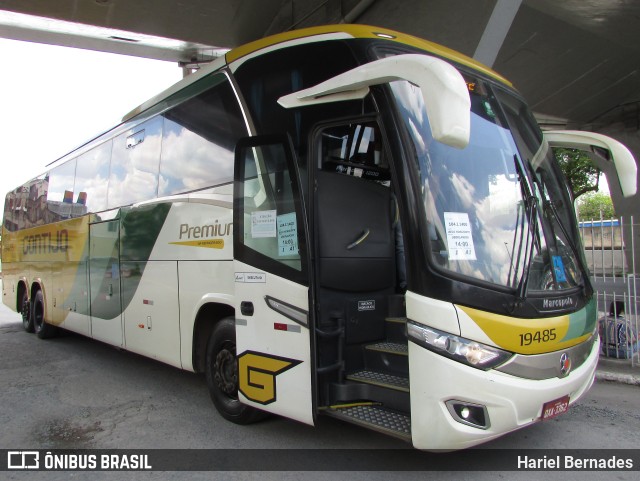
(496,31)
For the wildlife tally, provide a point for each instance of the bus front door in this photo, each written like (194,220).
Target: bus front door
(273,323)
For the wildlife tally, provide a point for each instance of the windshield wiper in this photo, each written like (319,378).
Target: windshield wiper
(551,213)
(519,229)
(549,206)
(527,241)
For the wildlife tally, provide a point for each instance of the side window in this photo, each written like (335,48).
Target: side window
(268,210)
(14,218)
(27,207)
(134,164)
(92,178)
(60,191)
(36,201)
(264,79)
(199,138)
(9,201)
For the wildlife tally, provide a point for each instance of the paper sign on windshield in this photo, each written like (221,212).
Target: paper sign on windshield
(287,235)
(459,239)
(263,224)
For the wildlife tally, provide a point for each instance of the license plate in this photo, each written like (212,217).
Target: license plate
(555,408)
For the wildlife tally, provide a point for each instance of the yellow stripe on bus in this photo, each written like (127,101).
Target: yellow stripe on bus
(363,31)
(527,336)
(209,243)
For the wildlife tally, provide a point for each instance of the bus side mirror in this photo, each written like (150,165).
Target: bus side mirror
(444,91)
(604,147)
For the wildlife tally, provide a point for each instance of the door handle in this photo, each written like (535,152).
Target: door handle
(363,235)
(246,308)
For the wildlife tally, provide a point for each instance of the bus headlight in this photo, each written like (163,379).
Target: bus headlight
(472,353)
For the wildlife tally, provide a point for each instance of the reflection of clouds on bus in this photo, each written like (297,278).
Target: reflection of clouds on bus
(493,228)
(409,94)
(133,187)
(134,171)
(496,213)
(184,160)
(96,190)
(497,240)
(190,161)
(92,176)
(465,192)
(418,124)
(146,160)
(57,186)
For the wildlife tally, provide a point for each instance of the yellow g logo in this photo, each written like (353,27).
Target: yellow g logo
(257,375)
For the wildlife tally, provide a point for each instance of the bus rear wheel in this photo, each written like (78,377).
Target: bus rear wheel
(222,375)
(42,329)
(25,310)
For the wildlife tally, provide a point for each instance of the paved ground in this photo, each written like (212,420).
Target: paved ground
(72,392)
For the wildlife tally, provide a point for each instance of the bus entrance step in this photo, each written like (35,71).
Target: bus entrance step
(396,329)
(390,348)
(382,379)
(375,418)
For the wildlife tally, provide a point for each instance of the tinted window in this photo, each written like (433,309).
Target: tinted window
(92,178)
(263,80)
(199,139)
(269,224)
(60,193)
(134,164)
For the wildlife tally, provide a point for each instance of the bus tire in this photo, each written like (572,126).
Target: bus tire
(221,371)
(25,310)
(42,329)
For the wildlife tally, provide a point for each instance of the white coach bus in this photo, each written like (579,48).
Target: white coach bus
(343,221)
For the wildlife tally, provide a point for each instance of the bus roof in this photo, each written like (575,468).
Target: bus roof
(362,31)
(325,32)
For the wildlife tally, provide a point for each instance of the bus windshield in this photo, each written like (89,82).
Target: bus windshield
(498,210)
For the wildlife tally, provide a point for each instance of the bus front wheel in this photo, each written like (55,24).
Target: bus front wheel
(222,375)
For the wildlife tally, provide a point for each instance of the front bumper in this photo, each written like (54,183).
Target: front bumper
(511,402)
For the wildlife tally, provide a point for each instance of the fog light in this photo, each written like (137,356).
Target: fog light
(471,414)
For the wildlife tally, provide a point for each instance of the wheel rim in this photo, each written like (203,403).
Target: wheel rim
(38,314)
(26,310)
(226,371)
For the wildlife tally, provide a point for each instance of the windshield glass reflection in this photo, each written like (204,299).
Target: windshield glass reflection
(488,217)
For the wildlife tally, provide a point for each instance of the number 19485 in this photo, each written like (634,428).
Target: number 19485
(544,335)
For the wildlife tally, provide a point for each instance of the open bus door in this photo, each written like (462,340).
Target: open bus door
(273,323)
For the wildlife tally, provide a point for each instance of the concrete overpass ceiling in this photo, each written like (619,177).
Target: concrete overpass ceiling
(577,60)
(615,20)
(571,65)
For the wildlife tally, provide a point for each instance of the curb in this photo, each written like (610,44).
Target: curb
(618,377)
(618,370)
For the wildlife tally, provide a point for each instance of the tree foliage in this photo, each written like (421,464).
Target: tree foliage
(582,175)
(594,204)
